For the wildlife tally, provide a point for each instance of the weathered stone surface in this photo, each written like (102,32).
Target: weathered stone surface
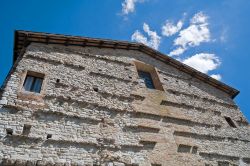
(98,112)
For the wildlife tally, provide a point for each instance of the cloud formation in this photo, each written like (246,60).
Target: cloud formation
(204,62)
(153,40)
(169,28)
(128,6)
(216,76)
(195,34)
(177,51)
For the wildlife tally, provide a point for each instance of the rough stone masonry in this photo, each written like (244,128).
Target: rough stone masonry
(81,101)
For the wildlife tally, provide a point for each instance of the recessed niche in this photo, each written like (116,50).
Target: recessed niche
(194,149)
(184,148)
(26,129)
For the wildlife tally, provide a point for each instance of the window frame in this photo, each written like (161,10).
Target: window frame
(36,75)
(35,81)
(147,77)
(141,66)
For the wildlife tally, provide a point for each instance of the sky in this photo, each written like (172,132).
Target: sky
(213,36)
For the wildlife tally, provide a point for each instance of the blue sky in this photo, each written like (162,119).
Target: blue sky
(212,36)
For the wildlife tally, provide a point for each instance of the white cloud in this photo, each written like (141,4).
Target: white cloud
(216,76)
(199,18)
(153,41)
(128,6)
(203,62)
(177,51)
(195,34)
(169,29)
(139,37)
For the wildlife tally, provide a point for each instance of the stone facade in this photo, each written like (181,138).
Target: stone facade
(94,110)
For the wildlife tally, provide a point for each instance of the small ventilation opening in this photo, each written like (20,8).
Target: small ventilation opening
(49,136)
(230,122)
(95,89)
(9,131)
(26,129)
(57,80)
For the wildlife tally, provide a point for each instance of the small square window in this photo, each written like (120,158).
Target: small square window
(146,77)
(33,83)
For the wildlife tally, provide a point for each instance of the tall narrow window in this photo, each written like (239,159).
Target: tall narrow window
(33,83)
(146,77)
(149,75)
(230,122)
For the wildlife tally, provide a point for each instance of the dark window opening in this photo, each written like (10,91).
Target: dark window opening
(33,83)
(146,77)
(57,80)
(230,122)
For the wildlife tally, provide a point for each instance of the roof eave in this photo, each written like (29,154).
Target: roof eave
(23,38)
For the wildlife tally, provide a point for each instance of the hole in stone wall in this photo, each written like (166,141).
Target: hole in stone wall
(26,129)
(49,136)
(194,149)
(223,163)
(95,89)
(230,122)
(184,148)
(155,164)
(57,80)
(9,131)
(60,103)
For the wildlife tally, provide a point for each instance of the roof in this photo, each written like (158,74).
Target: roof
(24,38)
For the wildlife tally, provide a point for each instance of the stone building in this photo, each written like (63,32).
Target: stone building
(81,101)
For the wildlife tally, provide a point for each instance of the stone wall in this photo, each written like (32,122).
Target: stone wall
(93,110)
